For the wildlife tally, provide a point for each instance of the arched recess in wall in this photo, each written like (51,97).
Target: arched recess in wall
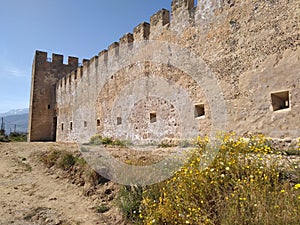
(129,98)
(174,56)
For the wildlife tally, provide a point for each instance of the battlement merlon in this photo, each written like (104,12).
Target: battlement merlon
(103,52)
(103,56)
(126,39)
(159,22)
(94,59)
(40,56)
(73,61)
(161,18)
(141,32)
(113,49)
(57,59)
(85,62)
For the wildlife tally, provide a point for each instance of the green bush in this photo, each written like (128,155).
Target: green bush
(14,137)
(107,141)
(165,144)
(129,201)
(66,161)
(3,138)
(62,159)
(96,140)
(99,140)
(50,159)
(17,137)
(102,208)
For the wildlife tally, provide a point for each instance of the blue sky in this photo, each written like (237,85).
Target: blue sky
(80,28)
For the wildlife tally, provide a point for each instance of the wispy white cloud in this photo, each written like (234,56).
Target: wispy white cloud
(7,70)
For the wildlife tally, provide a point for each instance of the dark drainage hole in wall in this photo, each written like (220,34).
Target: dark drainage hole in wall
(153,118)
(199,110)
(119,120)
(280,100)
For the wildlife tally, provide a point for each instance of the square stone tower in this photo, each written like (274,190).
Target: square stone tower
(45,74)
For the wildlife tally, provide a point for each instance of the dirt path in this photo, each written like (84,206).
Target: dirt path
(28,195)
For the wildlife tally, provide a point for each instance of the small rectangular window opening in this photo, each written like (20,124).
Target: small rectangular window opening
(71,125)
(85,124)
(62,126)
(153,118)
(119,120)
(49,106)
(98,122)
(199,110)
(280,100)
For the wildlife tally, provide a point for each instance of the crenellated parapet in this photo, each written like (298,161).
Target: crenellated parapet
(184,14)
(56,59)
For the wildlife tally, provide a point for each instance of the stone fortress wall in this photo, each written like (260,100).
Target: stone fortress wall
(217,66)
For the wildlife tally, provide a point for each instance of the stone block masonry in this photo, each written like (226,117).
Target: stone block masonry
(143,90)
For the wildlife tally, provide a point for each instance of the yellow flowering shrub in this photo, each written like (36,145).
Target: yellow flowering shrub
(240,186)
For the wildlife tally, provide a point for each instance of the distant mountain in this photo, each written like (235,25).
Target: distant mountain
(15,120)
(15,112)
